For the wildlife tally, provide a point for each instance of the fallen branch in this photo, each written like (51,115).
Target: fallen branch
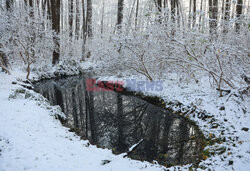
(133,147)
(223,90)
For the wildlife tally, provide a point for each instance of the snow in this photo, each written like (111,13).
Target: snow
(133,146)
(31,138)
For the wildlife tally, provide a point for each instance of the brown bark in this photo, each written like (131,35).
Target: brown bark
(120,14)
(56,6)
(238,15)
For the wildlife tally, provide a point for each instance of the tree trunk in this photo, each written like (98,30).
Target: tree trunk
(178,9)
(31,3)
(89,19)
(49,11)
(226,16)
(194,13)
(28,2)
(120,14)
(136,14)
(44,3)
(200,18)
(89,24)
(4,62)
(84,29)
(102,21)
(3,57)
(158,4)
(189,15)
(55,6)
(238,15)
(77,19)
(213,14)
(9,4)
(71,8)
(223,9)
(173,10)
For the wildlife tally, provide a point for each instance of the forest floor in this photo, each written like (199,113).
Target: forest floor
(31,138)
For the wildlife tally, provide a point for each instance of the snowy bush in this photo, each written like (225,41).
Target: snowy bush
(26,38)
(157,50)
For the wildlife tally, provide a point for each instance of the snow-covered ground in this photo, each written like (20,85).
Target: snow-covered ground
(32,139)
